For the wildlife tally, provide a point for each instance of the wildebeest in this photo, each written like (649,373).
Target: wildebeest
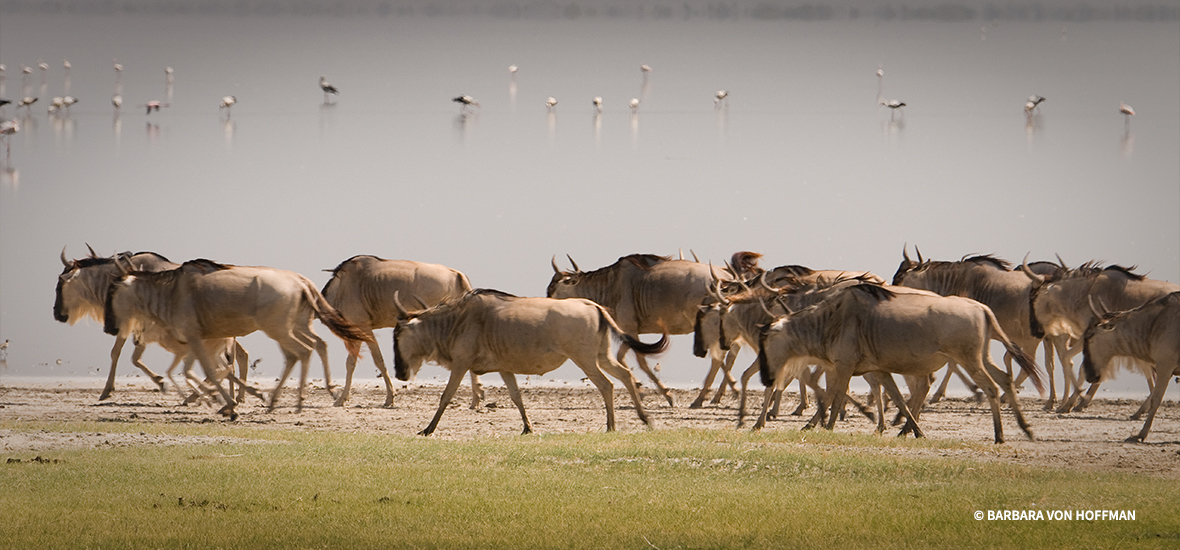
(987,280)
(1149,333)
(490,331)
(1060,307)
(362,289)
(867,328)
(203,300)
(645,294)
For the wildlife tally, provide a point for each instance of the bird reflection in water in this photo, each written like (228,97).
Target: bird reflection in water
(464,125)
(228,128)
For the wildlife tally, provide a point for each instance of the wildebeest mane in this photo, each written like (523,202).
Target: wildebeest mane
(335,270)
(642,261)
(988,259)
(1094,268)
(875,291)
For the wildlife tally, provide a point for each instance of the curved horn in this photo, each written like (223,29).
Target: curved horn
(694,256)
(681,251)
(1037,279)
(762,303)
(904,255)
(63,258)
(553,262)
(1060,261)
(123,270)
(93,254)
(420,301)
(397,304)
(766,285)
(782,301)
(573,263)
(919,252)
(1098,315)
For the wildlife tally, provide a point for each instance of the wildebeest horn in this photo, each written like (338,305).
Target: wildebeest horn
(63,257)
(694,256)
(1060,261)
(681,252)
(919,252)
(397,304)
(762,303)
(93,254)
(904,255)
(1038,279)
(420,301)
(1100,310)
(729,269)
(553,262)
(783,302)
(123,271)
(573,263)
(766,285)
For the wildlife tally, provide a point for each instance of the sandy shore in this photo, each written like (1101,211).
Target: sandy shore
(1088,441)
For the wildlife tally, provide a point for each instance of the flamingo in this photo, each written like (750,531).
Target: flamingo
(645,68)
(1033,101)
(719,97)
(117,101)
(598,103)
(227,102)
(25,102)
(8,128)
(1127,112)
(67,101)
(66,65)
(550,104)
(327,88)
(512,69)
(893,104)
(56,104)
(634,104)
(465,101)
(155,105)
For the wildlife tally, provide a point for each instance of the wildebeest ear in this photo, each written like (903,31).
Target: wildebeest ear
(402,314)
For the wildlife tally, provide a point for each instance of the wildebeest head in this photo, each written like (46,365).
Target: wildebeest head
(1095,354)
(81,288)
(907,265)
(563,280)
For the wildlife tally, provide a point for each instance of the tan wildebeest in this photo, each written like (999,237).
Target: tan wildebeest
(1149,333)
(867,328)
(490,331)
(203,300)
(362,289)
(81,292)
(646,294)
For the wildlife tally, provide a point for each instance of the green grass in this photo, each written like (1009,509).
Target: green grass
(667,489)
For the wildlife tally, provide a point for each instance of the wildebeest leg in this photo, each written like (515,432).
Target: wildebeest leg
(624,374)
(288,366)
(874,381)
(243,360)
(457,374)
(1146,402)
(211,367)
(312,341)
(749,373)
(1164,373)
(727,374)
(514,393)
(715,365)
(941,391)
(838,392)
(176,359)
(350,366)
(1084,400)
(110,386)
(623,348)
(895,394)
(476,391)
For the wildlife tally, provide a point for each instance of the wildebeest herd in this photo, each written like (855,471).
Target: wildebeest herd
(807,325)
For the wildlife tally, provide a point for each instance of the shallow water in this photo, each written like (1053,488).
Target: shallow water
(802,165)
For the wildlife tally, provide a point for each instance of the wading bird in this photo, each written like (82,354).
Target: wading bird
(550,104)
(25,102)
(598,103)
(634,104)
(227,102)
(154,105)
(117,101)
(1127,112)
(327,88)
(893,105)
(512,69)
(8,128)
(465,101)
(719,97)
(67,101)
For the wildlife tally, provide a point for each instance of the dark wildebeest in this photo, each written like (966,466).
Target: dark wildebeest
(490,331)
(203,300)
(362,289)
(1149,333)
(645,294)
(867,328)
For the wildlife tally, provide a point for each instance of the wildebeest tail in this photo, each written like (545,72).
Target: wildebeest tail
(331,317)
(659,346)
(1026,362)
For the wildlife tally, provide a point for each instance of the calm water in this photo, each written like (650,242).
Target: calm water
(802,166)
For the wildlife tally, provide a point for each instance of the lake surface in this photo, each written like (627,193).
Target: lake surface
(802,165)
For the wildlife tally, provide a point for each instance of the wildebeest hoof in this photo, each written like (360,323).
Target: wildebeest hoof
(697,404)
(1133,439)
(424,433)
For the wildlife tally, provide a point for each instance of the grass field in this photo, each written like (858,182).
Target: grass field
(662,489)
